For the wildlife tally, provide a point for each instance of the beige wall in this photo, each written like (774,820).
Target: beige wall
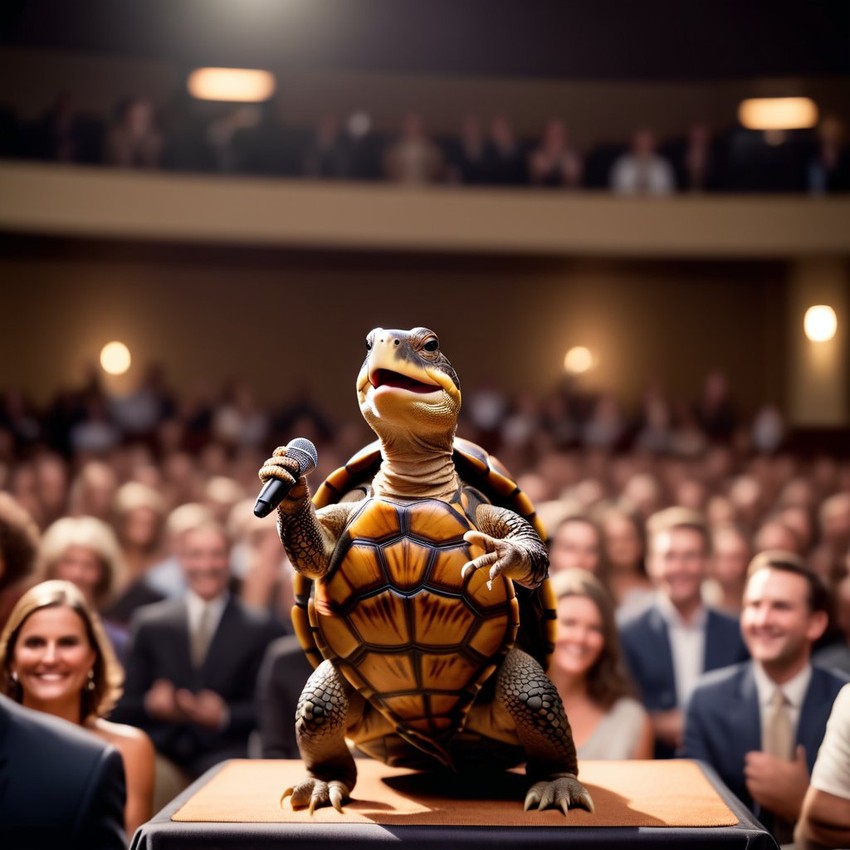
(281,318)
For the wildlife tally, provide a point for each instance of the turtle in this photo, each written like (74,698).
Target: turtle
(421,597)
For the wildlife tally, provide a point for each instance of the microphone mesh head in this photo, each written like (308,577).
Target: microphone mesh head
(304,452)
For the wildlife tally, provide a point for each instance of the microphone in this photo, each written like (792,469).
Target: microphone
(274,490)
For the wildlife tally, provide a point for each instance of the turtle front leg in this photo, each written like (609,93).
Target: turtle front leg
(320,724)
(308,537)
(533,702)
(512,547)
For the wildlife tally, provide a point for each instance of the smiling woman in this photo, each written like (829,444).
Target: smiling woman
(56,658)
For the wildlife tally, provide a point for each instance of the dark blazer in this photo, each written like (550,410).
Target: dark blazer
(723,723)
(59,785)
(284,673)
(649,658)
(159,649)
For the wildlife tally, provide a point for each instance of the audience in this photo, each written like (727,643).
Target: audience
(607,720)
(676,638)
(156,489)
(759,724)
(55,658)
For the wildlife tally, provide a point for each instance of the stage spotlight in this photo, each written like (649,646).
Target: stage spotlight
(778,113)
(820,323)
(239,85)
(115,358)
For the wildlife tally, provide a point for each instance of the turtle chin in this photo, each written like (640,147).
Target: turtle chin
(392,413)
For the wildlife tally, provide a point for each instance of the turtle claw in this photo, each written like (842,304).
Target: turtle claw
(314,793)
(564,792)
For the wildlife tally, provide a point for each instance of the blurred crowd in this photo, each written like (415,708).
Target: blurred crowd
(144,503)
(484,151)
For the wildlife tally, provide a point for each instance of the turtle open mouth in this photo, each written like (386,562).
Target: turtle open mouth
(388,378)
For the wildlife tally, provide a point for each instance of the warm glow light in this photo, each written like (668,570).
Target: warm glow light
(820,323)
(578,359)
(778,113)
(231,84)
(115,358)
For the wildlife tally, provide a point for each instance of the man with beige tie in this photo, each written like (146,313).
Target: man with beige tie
(192,663)
(759,724)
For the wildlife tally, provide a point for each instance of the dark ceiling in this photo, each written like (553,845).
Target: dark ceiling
(579,39)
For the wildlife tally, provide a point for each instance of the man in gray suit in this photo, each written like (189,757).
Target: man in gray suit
(759,724)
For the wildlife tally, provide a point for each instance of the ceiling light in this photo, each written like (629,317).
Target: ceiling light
(241,85)
(778,113)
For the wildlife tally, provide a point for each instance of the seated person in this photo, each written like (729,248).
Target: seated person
(55,658)
(192,663)
(825,819)
(669,643)
(759,724)
(607,721)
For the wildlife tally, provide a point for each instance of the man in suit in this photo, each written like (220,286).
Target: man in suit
(759,724)
(668,644)
(192,663)
(283,674)
(59,785)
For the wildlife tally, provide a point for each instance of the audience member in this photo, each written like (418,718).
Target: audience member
(192,663)
(19,541)
(642,171)
(413,159)
(283,674)
(836,655)
(759,724)
(133,140)
(676,638)
(624,548)
(78,807)
(727,569)
(607,720)
(696,160)
(829,165)
(466,160)
(576,543)
(824,822)
(327,154)
(505,157)
(55,658)
(775,534)
(554,163)
(85,552)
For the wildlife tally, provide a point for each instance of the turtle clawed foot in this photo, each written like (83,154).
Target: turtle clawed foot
(563,792)
(314,793)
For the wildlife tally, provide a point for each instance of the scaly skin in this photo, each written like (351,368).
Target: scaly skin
(410,396)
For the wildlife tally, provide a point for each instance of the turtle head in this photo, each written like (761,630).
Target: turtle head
(407,383)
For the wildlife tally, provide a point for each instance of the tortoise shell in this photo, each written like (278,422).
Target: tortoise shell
(477,469)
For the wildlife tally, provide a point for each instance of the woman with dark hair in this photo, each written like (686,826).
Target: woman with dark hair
(624,547)
(607,720)
(55,658)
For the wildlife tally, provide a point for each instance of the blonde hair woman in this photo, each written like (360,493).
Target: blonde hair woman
(55,658)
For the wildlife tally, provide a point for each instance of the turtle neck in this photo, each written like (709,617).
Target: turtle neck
(415,467)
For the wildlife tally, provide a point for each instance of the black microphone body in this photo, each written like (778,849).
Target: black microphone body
(274,490)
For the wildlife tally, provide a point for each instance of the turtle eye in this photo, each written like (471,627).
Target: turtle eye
(432,344)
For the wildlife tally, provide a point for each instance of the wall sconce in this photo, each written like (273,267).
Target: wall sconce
(820,323)
(115,358)
(578,360)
